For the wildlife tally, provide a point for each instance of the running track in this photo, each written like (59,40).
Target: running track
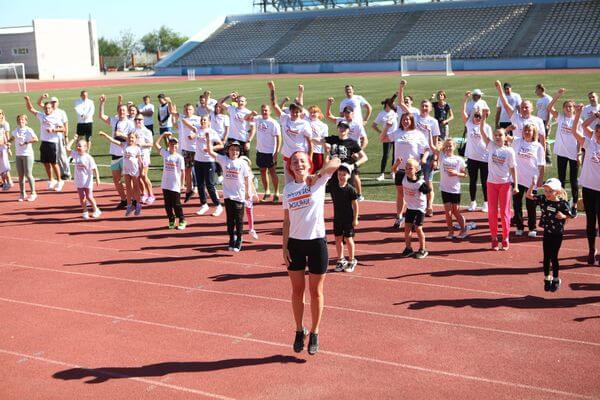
(125,309)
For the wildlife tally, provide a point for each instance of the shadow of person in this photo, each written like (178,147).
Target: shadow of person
(104,374)
(522,302)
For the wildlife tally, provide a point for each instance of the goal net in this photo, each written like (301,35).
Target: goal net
(264,66)
(426,64)
(12,78)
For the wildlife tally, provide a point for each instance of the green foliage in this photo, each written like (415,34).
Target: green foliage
(163,39)
(108,48)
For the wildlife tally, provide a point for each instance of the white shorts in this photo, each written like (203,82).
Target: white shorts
(4,163)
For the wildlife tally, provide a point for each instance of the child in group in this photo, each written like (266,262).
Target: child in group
(173,167)
(415,196)
(85,170)
(345,217)
(24,136)
(253,197)
(236,184)
(145,143)
(452,168)
(5,152)
(555,210)
(132,165)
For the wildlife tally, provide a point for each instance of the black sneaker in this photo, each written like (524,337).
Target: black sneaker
(237,246)
(231,244)
(591,259)
(408,252)
(422,253)
(547,285)
(574,211)
(555,285)
(122,205)
(188,196)
(299,340)
(313,344)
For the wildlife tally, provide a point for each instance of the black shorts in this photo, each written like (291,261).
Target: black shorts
(150,128)
(399,177)
(453,198)
(308,252)
(415,217)
(343,228)
(264,160)
(188,158)
(85,129)
(48,152)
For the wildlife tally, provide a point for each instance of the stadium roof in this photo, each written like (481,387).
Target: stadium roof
(291,5)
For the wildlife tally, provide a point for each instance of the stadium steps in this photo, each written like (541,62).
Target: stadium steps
(534,21)
(177,61)
(284,40)
(402,27)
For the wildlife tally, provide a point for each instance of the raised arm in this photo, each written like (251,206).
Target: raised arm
(574,131)
(157,145)
(109,138)
(401,87)
(29,106)
(482,132)
(224,99)
(432,145)
(300,97)
(209,146)
(172,109)
(328,113)
(465,116)
(587,130)
(509,109)
(273,98)
(40,101)
(101,113)
(555,98)
(330,166)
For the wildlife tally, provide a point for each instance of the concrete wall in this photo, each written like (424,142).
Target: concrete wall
(26,40)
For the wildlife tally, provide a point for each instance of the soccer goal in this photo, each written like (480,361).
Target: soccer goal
(191,74)
(12,78)
(264,66)
(426,64)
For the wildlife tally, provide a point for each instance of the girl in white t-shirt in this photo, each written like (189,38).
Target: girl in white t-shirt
(145,143)
(501,167)
(385,117)
(173,166)
(85,170)
(23,136)
(589,140)
(5,152)
(219,122)
(320,131)
(253,197)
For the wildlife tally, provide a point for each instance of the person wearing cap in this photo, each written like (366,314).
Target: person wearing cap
(442,112)
(240,130)
(85,109)
(555,211)
(165,121)
(173,167)
(203,108)
(146,108)
(61,152)
(386,116)
(589,140)
(345,217)
(357,103)
(511,98)
(476,102)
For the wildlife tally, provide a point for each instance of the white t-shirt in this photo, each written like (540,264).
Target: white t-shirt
(413,197)
(218,122)
(234,177)
(145,137)
(530,156)
(514,99)
(266,132)
(125,126)
(476,148)
(143,107)
(356,131)
(294,134)
(173,165)
(479,104)
(565,145)
(185,143)
(84,166)
(131,164)
(589,110)
(427,124)
(387,118)
(21,135)
(201,145)
(590,171)
(500,160)
(356,102)
(163,111)
(408,144)
(204,111)
(85,110)
(520,122)
(51,121)
(238,128)
(305,205)
(320,130)
(450,183)
(63,115)
(542,107)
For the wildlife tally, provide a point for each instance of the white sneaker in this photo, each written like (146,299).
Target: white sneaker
(532,234)
(86,215)
(202,209)
(32,197)
(21,197)
(473,206)
(218,211)
(59,186)
(220,179)
(253,234)
(97,213)
(519,232)
(380,178)
(484,208)
(360,197)
(351,265)
(51,184)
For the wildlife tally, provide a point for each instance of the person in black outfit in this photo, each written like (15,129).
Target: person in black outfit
(345,217)
(442,113)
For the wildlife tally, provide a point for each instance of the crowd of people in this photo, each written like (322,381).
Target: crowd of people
(208,144)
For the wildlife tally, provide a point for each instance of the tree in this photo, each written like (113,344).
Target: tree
(163,39)
(128,45)
(108,48)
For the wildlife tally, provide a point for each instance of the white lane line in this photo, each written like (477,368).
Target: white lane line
(116,375)
(327,306)
(331,353)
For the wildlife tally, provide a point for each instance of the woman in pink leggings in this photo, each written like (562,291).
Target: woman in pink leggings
(501,166)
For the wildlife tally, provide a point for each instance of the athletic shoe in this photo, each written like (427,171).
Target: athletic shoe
(237,246)
(495,245)
(218,211)
(182,225)
(122,205)
(380,178)
(450,236)
(195,189)
(422,253)
(59,186)
(313,344)
(360,197)
(144,198)
(220,179)
(505,245)
(203,209)
(5,186)
(253,234)
(532,234)
(408,252)
(399,223)
(151,199)
(484,207)
(471,225)
(574,211)
(188,196)
(138,209)
(171,224)
(86,215)
(473,206)
(591,259)
(275,198)
(299,340)
(22,197)
(129,210)
(519,232)
(340,265)
(555,285)
(351,265)
(32,197)
(547,284)
(429,212)
(52,184)
(463,234)
(97,213)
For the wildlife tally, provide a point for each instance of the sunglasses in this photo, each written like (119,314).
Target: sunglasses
(139,119)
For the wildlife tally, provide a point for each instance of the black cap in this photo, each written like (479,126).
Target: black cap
(173,140)
(161,96)
(343,124)
(234,143)
(348,109)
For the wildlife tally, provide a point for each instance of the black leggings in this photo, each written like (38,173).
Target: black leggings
(473,167)
(591,202)
(205,178)
(173,203)
(518,207)
(235,220)
(551,245)
(573,172)
(384,155)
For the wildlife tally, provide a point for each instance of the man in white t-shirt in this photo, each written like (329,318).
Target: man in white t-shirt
(240,130)
(85,109)
(514,99)
(357,103)
(543,113)
(147,110)
(61,152)
(591,108)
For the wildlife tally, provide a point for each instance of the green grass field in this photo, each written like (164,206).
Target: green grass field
(317,89)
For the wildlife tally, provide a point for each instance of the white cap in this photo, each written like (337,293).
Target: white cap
(53,99)
(477,92)
(347,166)
(553,184)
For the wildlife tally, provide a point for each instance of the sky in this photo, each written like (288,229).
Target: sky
(112,16)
